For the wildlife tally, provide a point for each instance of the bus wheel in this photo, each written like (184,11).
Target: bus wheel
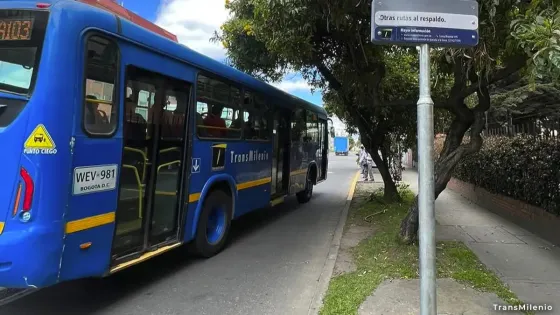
(213,225)
(305,195)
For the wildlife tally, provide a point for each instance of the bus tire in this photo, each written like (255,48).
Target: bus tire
(305,195)
(213,225)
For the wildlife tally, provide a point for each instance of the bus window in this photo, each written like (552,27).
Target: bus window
(173,116)
(100,108)
(217,109)
(171,103)
(169,160)
(321,158)
(312,127)
(322,136)
(255,118)
(298,126)
(145,101)
(234,117)
(200,108)
(312,133)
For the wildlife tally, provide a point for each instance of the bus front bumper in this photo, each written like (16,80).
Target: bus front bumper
(29,258)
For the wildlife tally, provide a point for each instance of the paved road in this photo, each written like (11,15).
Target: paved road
(270,267)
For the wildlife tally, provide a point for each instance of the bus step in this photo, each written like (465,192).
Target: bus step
(277,200)
(10,295)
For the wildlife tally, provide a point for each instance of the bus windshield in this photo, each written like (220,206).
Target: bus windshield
(21,37)
(16,73)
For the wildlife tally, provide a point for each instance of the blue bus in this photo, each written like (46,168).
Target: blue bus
(121,144)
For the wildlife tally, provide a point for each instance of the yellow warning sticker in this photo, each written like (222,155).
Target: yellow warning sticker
(39,142)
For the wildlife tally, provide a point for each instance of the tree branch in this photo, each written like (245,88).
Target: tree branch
(515,64)
(377,80)
(328,76)
(483,100)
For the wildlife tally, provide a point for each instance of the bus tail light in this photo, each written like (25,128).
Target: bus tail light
(29,189)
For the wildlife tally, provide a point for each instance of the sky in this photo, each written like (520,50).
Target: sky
(195,21)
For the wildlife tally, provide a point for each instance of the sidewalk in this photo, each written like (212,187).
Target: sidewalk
(529,265)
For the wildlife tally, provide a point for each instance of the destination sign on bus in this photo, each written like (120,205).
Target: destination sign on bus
(15,29)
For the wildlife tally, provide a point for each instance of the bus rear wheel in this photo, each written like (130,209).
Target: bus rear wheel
(213,225)
(305,195)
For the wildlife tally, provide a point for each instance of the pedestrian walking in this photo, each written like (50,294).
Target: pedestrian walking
(362,160)
(369,168)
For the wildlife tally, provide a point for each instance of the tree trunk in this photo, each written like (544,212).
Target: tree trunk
(390,192)
(452,153)
(409,225)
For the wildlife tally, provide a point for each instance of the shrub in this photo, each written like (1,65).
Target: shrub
(521,167)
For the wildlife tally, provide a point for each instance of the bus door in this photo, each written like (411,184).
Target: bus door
(96,154)
(152,178)
(323,153)
(281,155)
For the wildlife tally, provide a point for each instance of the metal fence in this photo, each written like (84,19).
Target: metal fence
(506,123)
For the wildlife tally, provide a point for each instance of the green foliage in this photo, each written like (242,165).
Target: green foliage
(351,142)
(530,99)
(520,167)
(496,45)
(537,31)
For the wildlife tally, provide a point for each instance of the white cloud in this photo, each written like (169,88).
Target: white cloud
(292,86)
(194,22)
(293,82)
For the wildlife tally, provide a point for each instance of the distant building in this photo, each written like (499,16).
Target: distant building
(339,127)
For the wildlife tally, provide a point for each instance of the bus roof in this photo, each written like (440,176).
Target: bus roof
(164,43)
(114,7)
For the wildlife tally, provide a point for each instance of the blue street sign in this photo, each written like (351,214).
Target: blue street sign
(448,23)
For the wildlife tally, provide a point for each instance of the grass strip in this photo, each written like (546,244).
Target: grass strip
(382,256)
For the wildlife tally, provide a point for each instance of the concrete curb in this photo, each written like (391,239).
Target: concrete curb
(328,267)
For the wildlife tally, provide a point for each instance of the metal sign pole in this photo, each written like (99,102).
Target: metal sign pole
(440,23)
(426,193)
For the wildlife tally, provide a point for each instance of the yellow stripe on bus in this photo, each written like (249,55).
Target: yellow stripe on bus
(194,197)
(298,172)
(107,218)
(90,222)
(1,227)
(158,192)
(254,183)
